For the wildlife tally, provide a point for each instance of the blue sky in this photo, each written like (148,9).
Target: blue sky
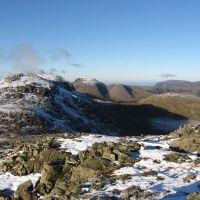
(112,40)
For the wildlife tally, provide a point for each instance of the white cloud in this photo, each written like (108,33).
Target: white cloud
(167,75)
(24,56)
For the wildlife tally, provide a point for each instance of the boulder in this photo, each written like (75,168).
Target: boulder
(149,173)
(190,176)
(187,139)
(91,168)
(194,196)
(132,192)
(50,172)
(24,187)
(177,158)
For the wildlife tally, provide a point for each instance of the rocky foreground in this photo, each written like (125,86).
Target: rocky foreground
(88,166)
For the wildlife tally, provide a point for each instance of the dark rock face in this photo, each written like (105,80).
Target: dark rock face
(32,103)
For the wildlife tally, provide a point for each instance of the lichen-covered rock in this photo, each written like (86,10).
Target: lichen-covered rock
(30,158)
(194,196)
(188,139)
(24,187)
(177,158)
(91,168)
(63,174)
(111,151)
(132,192)
(149,173)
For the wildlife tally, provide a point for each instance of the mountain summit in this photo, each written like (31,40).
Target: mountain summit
(92,88)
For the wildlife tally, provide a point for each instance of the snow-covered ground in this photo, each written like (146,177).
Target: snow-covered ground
(172,173)
(171,186)
(82,143)
(10,182)
(40,81)
(168,184)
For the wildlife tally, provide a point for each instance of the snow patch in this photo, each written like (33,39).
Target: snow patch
(81,144)
(173,174)
(89,81)
(26,79)
(11,182)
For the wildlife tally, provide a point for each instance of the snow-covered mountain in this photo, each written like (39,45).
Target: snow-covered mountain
(45,103)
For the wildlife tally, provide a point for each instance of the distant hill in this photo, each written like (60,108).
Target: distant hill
(177,86)
(178,83)
(92,88)
(114,92)
(124,93)
(127,93)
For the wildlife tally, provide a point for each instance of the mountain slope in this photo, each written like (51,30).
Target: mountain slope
(184,105)
(124,93)
(45,103)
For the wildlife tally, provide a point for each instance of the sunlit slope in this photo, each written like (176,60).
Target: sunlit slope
(185,105)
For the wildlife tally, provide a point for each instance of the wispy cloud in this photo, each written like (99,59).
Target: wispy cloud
(167,75)
(76,65)
(25,56)
(60,53)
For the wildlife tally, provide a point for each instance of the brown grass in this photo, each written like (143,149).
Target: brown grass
(184,105)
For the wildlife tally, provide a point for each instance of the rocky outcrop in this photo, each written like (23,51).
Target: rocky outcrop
(194,196)
(187,139)
(63,174)
(24,191)
(177,158)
